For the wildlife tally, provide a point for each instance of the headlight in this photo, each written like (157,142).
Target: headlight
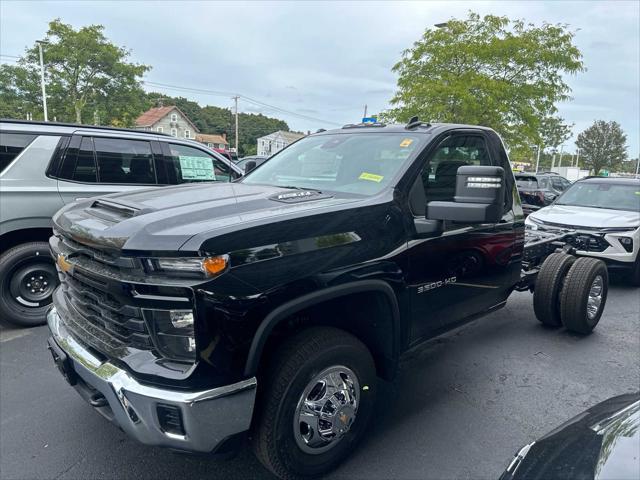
(173,333)
(204,266)
(531,223)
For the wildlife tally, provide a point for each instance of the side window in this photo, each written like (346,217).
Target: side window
(439,174)
(124,161)
(193,165)
(79,163)
(11,144)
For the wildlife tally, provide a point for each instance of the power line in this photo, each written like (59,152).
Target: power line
(243,97)
(9,56)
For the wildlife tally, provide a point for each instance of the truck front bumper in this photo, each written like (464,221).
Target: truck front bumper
(189,421)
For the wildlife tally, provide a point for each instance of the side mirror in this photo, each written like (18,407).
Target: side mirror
(250,165)
(479,197)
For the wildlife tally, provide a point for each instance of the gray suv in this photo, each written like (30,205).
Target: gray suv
(44,166)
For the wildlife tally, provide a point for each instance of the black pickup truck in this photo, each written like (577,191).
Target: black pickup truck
(196,316)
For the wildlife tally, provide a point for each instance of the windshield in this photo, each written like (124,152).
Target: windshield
(363,164)
(602,195)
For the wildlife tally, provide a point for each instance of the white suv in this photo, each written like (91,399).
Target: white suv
(606,214)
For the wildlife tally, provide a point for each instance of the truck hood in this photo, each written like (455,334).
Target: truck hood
(164,219)
(573,216)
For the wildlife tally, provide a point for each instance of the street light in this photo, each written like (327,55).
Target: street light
(441,25)
(44,92)
(537,156)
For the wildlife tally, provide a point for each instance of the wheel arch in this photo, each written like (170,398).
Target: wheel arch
(383,339)
(24,235)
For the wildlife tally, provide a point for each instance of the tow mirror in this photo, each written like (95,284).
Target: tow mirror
(479,197)
(250,165)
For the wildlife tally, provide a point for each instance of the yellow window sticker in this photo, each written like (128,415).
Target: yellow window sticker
(406,142)
(371,176)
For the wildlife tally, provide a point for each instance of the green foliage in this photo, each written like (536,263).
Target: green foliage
(602,145)
(211,119)
(87,77)
(492,71)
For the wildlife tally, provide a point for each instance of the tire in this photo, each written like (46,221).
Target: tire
(581,284)
(293,370)
(635,273)
(28,278)
(546,296)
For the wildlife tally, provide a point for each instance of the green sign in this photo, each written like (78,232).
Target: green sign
(196,168)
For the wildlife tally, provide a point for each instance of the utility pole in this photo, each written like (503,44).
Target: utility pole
(538,158)
(44,93)
(236,109)
(577,158)
(365,111)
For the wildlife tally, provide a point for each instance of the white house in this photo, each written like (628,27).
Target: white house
(274,142)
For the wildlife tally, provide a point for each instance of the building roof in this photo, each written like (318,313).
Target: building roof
(154,115)
(210,138)
(289,137)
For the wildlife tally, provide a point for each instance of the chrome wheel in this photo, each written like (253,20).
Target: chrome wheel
(326,410)
(595,297)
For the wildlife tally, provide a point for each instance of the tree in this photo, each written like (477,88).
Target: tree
(87,77)
(602,145)
(492,71)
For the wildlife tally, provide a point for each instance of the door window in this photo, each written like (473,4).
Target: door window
(79,164)
(124,161)
(194,165)
(11,144)
(439,176)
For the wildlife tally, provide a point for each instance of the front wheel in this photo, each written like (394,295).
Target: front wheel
(318,396)
(28,278)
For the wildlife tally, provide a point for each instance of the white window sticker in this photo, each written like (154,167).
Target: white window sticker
(196,168)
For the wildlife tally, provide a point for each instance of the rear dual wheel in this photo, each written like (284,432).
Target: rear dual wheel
(571,292)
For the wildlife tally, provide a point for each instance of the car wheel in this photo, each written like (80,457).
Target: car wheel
(317,398)
(28,278)
(635,273)
(546,296)
(584,295)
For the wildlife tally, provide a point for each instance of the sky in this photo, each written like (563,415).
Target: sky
(319,63)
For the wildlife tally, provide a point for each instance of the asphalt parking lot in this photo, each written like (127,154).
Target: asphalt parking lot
(461,407)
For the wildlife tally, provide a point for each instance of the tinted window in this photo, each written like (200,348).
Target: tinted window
(439,175)
(124,161)
(527,182)
(79,163)
(11,144)
(194,165)
(560,184)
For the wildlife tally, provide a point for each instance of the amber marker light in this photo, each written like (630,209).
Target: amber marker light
(215,265)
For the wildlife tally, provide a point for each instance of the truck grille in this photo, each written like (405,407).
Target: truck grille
(109,323)
(588,242)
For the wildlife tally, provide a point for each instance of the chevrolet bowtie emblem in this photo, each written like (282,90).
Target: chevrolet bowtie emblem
(63,263)
(343,418)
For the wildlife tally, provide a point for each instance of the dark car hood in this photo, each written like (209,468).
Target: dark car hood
(164,219)
(601,443)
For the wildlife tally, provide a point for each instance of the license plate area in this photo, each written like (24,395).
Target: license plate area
(62,361)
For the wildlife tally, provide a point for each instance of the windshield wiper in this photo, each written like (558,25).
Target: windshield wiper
(293,187)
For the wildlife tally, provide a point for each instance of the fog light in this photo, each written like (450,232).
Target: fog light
(173,333)
(627,243)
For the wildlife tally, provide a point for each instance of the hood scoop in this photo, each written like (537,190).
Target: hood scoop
(116,211)
(299,196)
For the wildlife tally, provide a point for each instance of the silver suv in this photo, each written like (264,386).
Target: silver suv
(44,166)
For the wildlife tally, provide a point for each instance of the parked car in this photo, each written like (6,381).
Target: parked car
(258,159)
(539,190)
(44,166)
(191,315)
(606,213)
(603,442)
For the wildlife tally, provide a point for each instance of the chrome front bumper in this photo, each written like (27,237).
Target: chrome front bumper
(208,416)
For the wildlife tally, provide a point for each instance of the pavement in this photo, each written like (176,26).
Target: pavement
(460,408)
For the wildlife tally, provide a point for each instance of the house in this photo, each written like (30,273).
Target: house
(169,120)
(274,142)
(217,142)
